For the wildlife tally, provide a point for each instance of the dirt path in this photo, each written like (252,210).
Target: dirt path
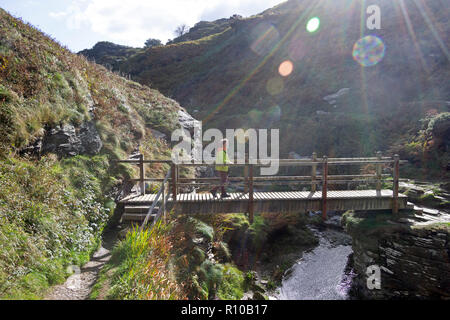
(79,285)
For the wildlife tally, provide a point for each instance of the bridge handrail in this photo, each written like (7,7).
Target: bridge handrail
(249,180)
(162,207)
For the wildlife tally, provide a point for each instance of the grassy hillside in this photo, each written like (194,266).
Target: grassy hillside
(54,205)
(230,79)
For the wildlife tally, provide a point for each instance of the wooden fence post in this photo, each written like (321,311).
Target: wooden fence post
(164,201)
(250,195)
(395,183)
(177,177)
(174,181)
(142,173)
(314,173)
(246,174)
(378,170)
(324,187)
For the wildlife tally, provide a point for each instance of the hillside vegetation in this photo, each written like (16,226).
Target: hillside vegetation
(63,122)
(230,78)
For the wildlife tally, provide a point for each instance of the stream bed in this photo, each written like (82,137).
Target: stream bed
(323,273)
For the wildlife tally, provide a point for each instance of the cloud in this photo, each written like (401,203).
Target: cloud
(131,22)
(73,15)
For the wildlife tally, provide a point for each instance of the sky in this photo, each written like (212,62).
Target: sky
(80,24)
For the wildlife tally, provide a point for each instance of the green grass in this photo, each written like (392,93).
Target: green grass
(141,266)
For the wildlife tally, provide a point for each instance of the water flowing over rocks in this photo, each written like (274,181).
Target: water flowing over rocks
(323,272)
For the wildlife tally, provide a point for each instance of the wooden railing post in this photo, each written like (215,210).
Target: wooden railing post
(324,187)
(314,173)
(142,173)
(395,183)
(246,174)
(163,205)
(378,171)
(177,177)
(250,194)
(174,181)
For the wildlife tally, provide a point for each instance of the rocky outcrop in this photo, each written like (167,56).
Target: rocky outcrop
(186,121)
(432,195)
(67,140)
(411,250)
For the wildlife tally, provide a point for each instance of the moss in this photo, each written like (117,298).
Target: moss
(428,198)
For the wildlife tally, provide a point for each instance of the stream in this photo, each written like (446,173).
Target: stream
(322,273)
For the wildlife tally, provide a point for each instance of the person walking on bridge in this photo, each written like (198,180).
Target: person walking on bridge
(222,169)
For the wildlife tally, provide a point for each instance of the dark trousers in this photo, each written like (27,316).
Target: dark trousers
(223,179)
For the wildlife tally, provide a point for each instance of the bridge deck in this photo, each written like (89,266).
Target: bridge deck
(190,203)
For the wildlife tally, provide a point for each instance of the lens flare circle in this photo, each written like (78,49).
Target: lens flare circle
(313,24)
(368,51)
(286,68)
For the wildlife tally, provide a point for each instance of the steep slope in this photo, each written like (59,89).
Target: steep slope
(329,103)
(63,122)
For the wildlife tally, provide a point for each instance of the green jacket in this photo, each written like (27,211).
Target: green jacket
(222,158)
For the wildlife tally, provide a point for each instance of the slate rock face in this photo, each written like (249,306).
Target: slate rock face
(67,140)
(412,252)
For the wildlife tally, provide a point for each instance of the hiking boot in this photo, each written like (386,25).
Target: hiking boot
(225,195)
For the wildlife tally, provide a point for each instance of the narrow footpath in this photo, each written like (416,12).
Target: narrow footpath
(79,285)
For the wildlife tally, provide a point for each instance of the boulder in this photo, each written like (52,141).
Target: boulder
(67,140)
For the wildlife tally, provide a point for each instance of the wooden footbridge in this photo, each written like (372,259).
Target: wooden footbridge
(326,192)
